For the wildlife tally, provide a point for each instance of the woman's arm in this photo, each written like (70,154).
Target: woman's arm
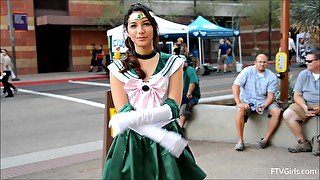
(175,86)
(119,96)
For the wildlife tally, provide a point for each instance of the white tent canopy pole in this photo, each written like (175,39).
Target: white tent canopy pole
(200,51)
(240,55)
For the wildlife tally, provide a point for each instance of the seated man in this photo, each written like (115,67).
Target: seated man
(191,92)
(253,91)
(307,99)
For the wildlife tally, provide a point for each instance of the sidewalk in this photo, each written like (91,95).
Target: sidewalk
(47,78)
(219,161)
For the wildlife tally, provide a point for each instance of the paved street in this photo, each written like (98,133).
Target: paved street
(57,120)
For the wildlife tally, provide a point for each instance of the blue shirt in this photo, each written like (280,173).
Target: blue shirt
(254,86)
(308,86)
(224,48)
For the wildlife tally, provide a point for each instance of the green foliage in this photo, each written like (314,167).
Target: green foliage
(305,17)
(258,12)
(290,90)
(113,14)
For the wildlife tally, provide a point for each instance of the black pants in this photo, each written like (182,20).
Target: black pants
(6,85)
(100,65)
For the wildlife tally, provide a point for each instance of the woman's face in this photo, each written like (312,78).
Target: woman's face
(140,30)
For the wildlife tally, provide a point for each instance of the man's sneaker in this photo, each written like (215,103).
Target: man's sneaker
(239,147)
(15,91)
(15,79)
(301,147)
(262,143)
(9,96)
(315,143)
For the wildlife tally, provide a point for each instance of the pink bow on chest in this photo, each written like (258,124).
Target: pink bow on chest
(145,94)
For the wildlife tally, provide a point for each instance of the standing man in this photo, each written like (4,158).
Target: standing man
(307,101)
(253,91)
(100,54)
(222,55)
(292,48)
(191,93)
(93,53)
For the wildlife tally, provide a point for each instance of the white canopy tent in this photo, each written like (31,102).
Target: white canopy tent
(116,35)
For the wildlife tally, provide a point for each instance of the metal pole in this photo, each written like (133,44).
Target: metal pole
(284,46)
(270,32)
(12,39)
(194,7)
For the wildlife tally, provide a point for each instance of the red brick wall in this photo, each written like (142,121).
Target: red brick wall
(262,38)
(81,45)
(25,45)
(81,40)
(247,41)
(87,8)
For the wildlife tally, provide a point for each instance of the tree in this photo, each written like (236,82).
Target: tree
(113,15)
(305,18)
(258,14)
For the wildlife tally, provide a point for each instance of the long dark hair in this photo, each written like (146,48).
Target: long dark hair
(7,53)
(131,59)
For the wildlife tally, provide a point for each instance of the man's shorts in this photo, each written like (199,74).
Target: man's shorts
(229,60)
(223,59)
(269,108)
(300,112)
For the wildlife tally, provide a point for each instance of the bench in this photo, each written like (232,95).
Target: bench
(217,123)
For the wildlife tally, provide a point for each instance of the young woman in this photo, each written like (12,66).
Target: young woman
(6,69)
(146,89)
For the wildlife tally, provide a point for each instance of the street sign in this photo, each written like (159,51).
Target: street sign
(281,62)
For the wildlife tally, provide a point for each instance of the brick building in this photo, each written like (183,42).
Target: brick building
(60,32)
(58,37)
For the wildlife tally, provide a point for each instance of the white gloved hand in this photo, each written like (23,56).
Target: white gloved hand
(120,122)
(174,143)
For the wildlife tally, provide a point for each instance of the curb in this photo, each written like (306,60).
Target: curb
(52,81)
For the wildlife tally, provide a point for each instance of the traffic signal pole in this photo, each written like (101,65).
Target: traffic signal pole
(285,9)
(12,38)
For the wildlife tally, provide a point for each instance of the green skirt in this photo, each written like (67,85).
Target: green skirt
(132,156)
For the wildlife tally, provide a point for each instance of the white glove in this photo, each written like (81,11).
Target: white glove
(174,143)
(120,122)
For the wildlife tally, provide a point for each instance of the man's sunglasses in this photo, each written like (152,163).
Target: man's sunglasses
(310,60)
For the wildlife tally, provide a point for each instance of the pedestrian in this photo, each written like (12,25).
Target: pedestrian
(191,93)
(108,61)
(253,91)
(146,88)
(100,55)
(195,56)
(222,55)
(6,69)
(291,48)
(117,54)
(230,58)
(93,53)
(163,47)
(307,101)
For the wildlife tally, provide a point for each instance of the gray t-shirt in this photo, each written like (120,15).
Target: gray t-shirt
(308,86)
